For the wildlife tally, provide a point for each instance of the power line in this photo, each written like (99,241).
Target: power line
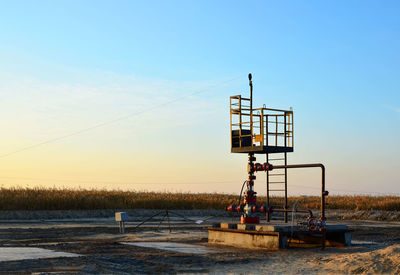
(52,140)
(111,182)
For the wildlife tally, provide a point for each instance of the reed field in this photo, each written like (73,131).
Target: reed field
(83,199)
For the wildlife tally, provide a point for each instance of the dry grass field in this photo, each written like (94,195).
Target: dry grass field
(82,199)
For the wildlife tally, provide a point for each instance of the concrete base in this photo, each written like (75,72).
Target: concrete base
(276,236)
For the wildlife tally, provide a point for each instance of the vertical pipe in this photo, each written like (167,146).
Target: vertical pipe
(251,108)
(262,127)
(268,216)
(286,198)
(251,92)
(323,194)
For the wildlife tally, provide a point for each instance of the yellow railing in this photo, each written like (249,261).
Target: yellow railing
(259,127)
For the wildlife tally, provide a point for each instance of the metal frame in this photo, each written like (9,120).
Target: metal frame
(265,131)
(263,138)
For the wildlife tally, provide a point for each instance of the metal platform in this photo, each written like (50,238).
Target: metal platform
(276,236)
(262,149)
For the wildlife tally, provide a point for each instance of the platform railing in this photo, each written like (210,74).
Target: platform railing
(259,127)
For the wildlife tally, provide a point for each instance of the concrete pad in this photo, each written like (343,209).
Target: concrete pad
(229,225)
(249,239)
(273,228)
(246,226)
(275,236)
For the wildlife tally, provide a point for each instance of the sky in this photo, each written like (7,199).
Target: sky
(134,95)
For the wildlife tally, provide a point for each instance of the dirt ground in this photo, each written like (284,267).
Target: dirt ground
(375,249)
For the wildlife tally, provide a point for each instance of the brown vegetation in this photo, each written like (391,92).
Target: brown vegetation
(81,199)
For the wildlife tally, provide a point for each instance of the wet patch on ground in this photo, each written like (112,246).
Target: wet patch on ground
(103,250)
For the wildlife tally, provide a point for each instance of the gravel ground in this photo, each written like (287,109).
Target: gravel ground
(376,248)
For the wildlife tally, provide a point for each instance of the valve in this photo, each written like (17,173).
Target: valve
(261,167)
(312,223)
(322,223)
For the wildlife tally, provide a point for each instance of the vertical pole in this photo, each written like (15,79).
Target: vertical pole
(230,116)
(276,130)
(251,92)
(268,217)
(240,121)
(122,227)
(251,109)
(286,199)
(250,196)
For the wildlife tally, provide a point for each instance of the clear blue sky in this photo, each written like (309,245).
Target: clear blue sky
(68,65)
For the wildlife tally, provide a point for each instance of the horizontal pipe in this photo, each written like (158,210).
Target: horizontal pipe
(311,165)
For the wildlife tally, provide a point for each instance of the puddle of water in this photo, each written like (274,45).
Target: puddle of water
(176,247)
(353,242)
(30,253)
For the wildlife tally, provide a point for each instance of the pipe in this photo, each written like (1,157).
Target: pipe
(265,209)
(320,165)
(251,93)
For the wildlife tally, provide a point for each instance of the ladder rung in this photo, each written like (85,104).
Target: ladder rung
(275,159)
(276,182)
(277,190)
(270,175)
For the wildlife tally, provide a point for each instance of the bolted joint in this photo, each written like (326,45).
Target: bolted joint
(262,167)
(268,167)
(250,193)
(252,199)
(235,208)
(265,209)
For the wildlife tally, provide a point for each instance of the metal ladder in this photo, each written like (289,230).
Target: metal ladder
(277,181)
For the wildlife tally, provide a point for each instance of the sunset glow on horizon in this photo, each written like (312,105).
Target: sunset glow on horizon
(136,97)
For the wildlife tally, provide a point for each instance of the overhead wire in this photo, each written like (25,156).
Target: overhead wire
(110,182)
(105,123)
